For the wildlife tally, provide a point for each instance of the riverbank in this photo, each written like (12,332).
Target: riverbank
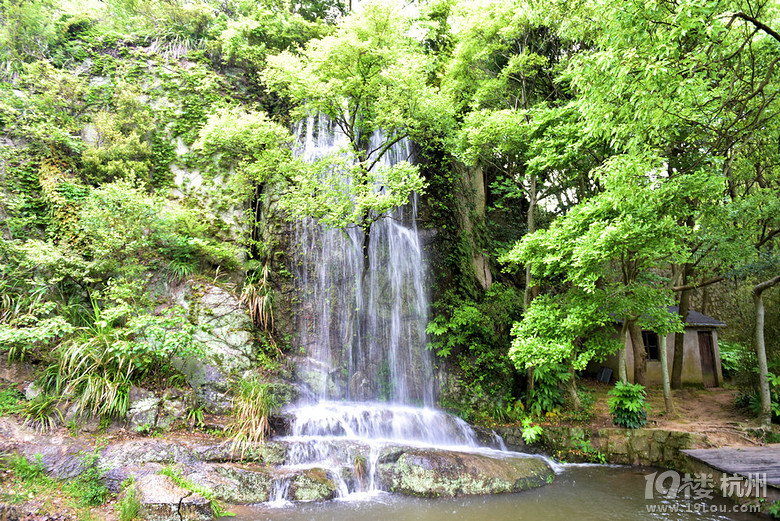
(704,419)
(709,412)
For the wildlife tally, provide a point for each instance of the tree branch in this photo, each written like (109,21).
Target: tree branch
(768,30)
(759,288)
(698,284)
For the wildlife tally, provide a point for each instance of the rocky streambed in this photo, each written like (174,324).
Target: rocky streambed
(268,472)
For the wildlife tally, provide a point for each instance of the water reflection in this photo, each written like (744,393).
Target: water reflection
(578,493)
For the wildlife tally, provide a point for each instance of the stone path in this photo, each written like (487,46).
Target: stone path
(743,461)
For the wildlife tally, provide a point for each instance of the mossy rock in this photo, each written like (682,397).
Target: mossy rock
(439,473)
(312,485)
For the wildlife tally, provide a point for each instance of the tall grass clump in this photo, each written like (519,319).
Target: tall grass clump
(253,405)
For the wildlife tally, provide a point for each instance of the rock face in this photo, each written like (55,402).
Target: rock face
(440,473)
(224,333)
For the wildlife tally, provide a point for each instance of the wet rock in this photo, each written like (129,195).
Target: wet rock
(312,485)
(440,473)
(59,457)
(16,372)
(142,414)
(173,408)
(656,447)
(209,383)
(139,452)
(114,478)
(163,500)
(241,485)
(269,453)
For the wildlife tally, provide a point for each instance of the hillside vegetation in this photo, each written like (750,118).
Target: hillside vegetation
(578,162)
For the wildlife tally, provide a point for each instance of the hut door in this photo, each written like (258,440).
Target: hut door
(707,356)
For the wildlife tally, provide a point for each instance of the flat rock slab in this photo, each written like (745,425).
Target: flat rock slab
(163,500)
(743,461)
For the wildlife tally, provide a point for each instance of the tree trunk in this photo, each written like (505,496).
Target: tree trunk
(572,388)
(679,338)
(640,356)
(531,228)
(622,353)
(527,295)
(668,401)
(760,347)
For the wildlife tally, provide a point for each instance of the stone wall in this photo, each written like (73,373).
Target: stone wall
(651,447)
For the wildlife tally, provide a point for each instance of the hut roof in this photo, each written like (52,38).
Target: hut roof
(695,318)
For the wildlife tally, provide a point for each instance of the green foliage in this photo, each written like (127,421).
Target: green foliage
(124,229)
(736,360)
(627,405)
(45,114)
(88,486)
(547,394)
(773,509)
(531,433)
(27,32)
(564,328)
(26,469)
(10,401)
(41,412)
(473,335)
(195,416)
(129,505)
(98,367)
(258,297)
(248,142)
(122,147)
(366,76)
(247,40)
(581,449)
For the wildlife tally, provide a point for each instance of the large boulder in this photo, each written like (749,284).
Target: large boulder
(442,473)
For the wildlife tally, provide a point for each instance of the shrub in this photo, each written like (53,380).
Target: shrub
(10,401)
(41,412)
(89,487)
(627,405)
(547,394)
(26,469)
(473,335)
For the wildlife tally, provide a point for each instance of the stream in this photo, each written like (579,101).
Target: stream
(581,492)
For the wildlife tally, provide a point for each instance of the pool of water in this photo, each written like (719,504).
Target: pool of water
(603,493)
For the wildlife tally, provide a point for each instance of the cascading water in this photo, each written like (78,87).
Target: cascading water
(363,327)
(363,332)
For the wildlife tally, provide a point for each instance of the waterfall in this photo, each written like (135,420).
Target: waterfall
(363,332)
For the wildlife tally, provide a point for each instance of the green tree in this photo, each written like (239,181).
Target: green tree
(691,82)
(369,76)
(612,244)
(517,123)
